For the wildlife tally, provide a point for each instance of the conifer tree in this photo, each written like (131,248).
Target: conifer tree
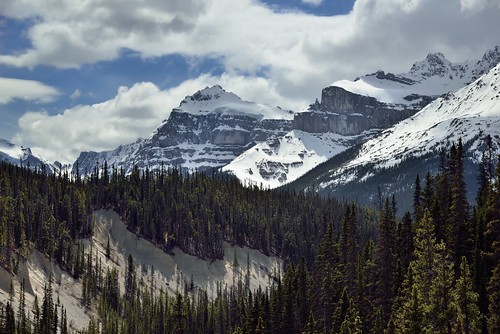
(468,316)
(340,313)
(494,299)
(439,311)
(385,261)
(352,323)
(349,250)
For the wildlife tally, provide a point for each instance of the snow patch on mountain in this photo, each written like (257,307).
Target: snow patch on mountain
(280,160)
(216,100)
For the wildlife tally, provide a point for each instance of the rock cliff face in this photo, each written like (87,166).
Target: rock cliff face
(208,129)
(346,113)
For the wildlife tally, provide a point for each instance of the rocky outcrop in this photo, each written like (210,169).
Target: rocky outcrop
(346,113)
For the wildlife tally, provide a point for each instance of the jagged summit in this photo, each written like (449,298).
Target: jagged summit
(217,100)
(435,64)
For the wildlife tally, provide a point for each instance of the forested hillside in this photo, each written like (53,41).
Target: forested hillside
(349,269)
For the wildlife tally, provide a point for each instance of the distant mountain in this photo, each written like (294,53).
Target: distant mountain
(208,129)
(351,112)
(390,161)
(21,156)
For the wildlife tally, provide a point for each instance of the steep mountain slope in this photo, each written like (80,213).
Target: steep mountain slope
(351,112)
(393,158)
(208,129)
(170,272)
(21,156)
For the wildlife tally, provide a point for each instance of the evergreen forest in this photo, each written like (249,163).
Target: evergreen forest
(349,269)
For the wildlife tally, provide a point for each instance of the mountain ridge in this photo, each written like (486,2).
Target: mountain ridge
(351,112)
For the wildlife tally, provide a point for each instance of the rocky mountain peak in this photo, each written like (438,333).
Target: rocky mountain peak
(208,129)
(22,156)
(435,64)
(489,60)
(207,98)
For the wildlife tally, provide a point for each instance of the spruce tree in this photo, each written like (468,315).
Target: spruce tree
(385,261)
(494,299)
(468,316)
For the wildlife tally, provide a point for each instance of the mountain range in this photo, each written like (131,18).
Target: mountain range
(351,140)
(390,161)
(351,112)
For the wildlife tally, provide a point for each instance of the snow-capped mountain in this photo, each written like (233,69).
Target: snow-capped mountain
(351,112)
(393,158)
(208,129)
(21,156)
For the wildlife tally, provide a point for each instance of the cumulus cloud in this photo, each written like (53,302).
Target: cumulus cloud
(298,52)
(29,90)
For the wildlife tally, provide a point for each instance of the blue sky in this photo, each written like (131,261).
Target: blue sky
(94,75)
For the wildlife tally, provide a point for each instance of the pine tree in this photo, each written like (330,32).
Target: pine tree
(494,305)
(385,261)
(417,200)
(349,250)
(439,312)
(352,323)
(340,312)
(468,316)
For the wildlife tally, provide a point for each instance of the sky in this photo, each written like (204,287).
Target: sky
(90,75)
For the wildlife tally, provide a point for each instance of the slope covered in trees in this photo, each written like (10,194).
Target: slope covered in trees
(350,270)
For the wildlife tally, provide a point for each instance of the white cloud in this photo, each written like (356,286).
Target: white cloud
(300,52)
(29,90)
(312,2)
(76,94)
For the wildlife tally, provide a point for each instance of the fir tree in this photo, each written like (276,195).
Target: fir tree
(468,316)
